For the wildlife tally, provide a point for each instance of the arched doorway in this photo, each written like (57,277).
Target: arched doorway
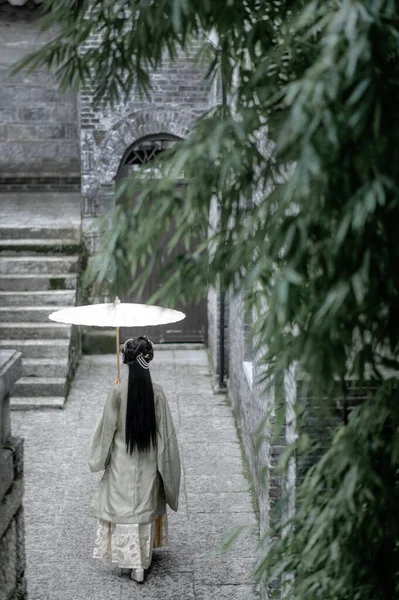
(194,327)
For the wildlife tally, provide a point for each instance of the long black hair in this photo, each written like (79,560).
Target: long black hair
(141,426)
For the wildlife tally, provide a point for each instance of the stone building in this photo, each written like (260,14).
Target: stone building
(61,156)
(12,546)
(118,140)
(60,159)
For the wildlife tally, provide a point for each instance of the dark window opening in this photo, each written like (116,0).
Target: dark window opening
(145,150)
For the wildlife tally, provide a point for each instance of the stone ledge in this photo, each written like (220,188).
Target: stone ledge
(6,471)
(17,447)
(10,370)
(8,560)
(11,504)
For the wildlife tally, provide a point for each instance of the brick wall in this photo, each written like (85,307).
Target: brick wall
(180,95)
(38,124)
(252,404)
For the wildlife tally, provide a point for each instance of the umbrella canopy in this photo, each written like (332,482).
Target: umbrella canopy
(117,314)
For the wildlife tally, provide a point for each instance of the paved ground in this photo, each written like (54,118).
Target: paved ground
(214,497)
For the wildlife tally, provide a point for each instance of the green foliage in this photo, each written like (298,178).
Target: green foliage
(343,540)
(302,163)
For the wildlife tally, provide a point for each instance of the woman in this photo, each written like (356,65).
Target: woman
(135,442)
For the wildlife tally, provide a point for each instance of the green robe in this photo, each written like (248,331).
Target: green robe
(135,488)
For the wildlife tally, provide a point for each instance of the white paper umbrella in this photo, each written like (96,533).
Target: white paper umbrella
(117,314)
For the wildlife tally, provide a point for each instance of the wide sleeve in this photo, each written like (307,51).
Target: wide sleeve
(102,438)
(168,457)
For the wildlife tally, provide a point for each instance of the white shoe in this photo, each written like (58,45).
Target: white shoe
(137,575)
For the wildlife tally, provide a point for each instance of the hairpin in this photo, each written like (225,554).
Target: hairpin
(142,362)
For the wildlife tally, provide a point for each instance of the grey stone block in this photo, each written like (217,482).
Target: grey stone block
(25,314)
(37,282)
(177,559)
(188,395)
(37,402)
(45,367)
(224,462)
(225,592)
(57,298)
(21,133)
(191,358)
(193,410)
(9,114)
(207,431)
(206,453)
(25,265)
(217,481)
(10,371)
(218,571)
(10,504)
(179,586)
(7,95)
(26,331)
(212,531)
(219,502)
(6,471)
(23,78)
(45,95)
(36,113)
(40,386)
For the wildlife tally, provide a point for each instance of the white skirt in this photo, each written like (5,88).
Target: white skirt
(130,546)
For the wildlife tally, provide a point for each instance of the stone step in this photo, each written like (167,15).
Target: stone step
(33,331)
(49,233)
(56,281)
(33,314)
(40,386)
(44,367)
(32,247)
(24,265)
(38,348)
(42,298)
(36,402)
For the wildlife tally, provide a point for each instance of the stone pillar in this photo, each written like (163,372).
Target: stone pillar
(12,543)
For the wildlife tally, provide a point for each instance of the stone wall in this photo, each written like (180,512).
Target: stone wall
(12,545)
(38,125)
(251,405)
(254,403)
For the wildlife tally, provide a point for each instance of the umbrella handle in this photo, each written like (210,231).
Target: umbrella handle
(118,366)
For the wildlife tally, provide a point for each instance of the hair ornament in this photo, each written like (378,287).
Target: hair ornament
(142,362)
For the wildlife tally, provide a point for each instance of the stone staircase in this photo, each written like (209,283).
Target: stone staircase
(39,269)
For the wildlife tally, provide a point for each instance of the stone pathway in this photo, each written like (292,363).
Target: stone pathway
(215,495)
